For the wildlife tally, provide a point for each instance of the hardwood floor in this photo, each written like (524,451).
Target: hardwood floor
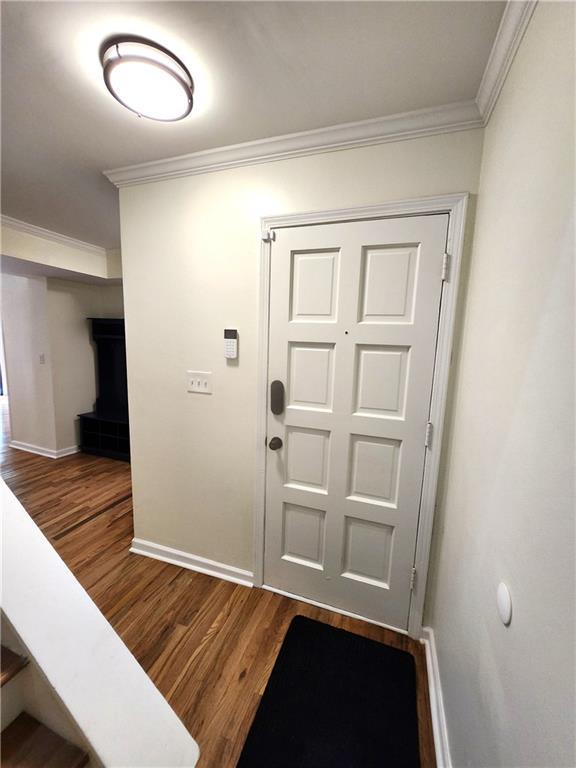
(208,645)
(10,664)
(26,743)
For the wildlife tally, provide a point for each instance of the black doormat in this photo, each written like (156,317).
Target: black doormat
(335,700)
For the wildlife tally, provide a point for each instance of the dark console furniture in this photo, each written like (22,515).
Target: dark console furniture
(104,431)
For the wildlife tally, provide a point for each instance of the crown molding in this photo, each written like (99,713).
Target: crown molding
(55,237)
(515,19)
(460,116)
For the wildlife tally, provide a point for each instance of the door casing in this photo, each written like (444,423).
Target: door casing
(455,206)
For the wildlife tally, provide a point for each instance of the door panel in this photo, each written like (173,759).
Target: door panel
(354,312)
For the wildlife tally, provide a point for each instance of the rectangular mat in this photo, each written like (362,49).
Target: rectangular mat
(335,700)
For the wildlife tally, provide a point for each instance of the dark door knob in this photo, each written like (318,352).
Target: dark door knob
(275,444)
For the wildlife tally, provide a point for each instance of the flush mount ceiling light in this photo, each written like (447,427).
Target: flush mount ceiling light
(147,79)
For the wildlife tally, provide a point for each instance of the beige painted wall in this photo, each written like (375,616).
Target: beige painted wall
(48,317)
(507,508)
(26,343)
(91,261)
(73,355)
(190,258)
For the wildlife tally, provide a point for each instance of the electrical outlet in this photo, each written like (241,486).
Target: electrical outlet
(199,382)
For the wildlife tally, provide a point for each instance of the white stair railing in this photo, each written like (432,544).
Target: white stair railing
(120,712)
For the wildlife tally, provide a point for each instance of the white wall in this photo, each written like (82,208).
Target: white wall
(48,317)
(507,508)
(26,343)
(190,257)
(36,245)
(73,354)
(30,692)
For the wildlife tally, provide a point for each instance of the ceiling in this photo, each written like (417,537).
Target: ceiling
(261,69)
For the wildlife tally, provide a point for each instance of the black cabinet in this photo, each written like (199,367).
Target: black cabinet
(104,431)
(104,437)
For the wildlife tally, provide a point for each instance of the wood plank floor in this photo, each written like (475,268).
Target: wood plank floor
(208,645)
(27,743)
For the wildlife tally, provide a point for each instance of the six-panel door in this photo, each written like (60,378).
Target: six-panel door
(354,313)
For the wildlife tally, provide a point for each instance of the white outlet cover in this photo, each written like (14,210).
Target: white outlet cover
(199,382)
(504,600)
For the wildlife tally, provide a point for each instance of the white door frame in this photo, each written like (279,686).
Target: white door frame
(455,205)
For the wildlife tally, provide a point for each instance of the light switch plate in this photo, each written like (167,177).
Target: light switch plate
(199,382)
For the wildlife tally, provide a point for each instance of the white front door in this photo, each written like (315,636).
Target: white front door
(354,311)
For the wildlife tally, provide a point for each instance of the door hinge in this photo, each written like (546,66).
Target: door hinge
(429,433)
(412,579)
(268,236)
(446,268)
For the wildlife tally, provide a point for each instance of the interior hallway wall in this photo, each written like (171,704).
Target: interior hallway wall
(46,319)
(73,354)
(507,507)
(191,261)
(28,361)
(79,259)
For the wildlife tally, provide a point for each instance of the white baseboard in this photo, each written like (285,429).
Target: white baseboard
(439,726)
(332,608)
(60,453)
(193,562)
(49,453)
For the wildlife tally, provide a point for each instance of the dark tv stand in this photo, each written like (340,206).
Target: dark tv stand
(104,431)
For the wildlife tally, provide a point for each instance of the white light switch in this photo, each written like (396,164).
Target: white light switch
(199,382)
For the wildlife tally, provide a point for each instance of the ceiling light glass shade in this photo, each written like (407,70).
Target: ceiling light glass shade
(147,79)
